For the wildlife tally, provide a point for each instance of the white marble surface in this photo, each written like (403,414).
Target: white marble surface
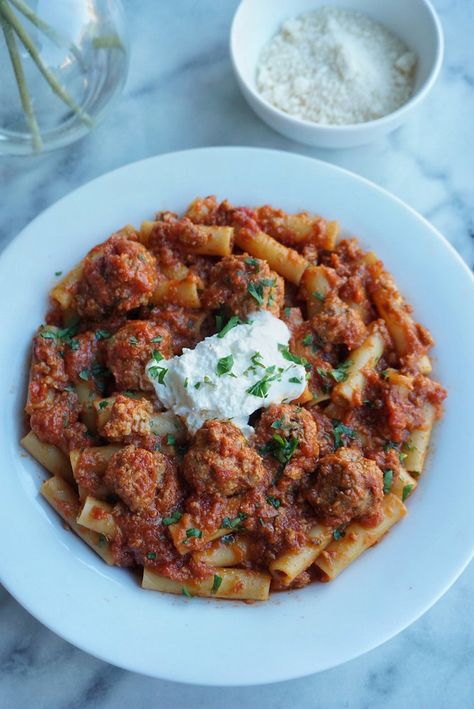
(181,94)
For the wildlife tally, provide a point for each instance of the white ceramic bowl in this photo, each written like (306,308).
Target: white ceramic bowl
(414,21)
(102,609)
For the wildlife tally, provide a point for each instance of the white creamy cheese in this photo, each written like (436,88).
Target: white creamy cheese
(230,377)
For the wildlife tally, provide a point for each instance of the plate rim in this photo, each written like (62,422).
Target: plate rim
(23,235)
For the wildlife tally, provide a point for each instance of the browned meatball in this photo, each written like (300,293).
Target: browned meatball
(127,417)
(82,353)
(346,486)
(288,435)
(129,350)
(339,324)
(118,275)
(133,474)
(221,462)
(184,324)
(57,422)
(244,284)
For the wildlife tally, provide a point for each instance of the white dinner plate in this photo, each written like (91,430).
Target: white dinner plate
(103,610)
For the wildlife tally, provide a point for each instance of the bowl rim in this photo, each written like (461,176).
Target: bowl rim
(418,96)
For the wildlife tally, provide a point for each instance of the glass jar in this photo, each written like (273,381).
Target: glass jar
(63,63)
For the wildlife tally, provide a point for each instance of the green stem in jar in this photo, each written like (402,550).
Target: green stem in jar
(21,83)
(11,19)
(46,29)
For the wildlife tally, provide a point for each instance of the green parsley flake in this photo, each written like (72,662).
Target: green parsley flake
(185,592)
(290,356)
(170,439)
(224,365)
(307,340)
(253,262)
(58,273)
(387,481)
(216,583)
(234,320)
(256,291)
(338,533)
(151,555)
(340,431)
(287,312)
(157,339)
(319,296)
(228,523)
(295,380)
(102,334)
(193,533)
(256,360)
(406,492)
(273,501)
(84,374)
(172,519)
(103,404)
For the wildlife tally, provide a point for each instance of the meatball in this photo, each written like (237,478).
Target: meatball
(118,275)
(57,422)
(339,324)
(289,435)
(47,372)
(184,324)
(134,474)
(128,417)
(221,462)
(346,486)
(82,352)
(129,350)
(244,284)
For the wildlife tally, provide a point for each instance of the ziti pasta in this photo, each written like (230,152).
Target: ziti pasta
(230,399)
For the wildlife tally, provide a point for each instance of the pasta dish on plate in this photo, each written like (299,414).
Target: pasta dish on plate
(234,400)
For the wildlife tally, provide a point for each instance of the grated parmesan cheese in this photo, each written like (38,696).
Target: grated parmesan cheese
(335,66)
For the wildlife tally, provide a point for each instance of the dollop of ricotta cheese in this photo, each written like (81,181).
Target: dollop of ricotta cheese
(230,375)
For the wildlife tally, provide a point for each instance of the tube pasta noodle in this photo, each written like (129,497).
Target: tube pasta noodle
(287,262)
(213,506)
(364,357)
(418,441)
(339,554)
(51,457)
(63,499)
(235,584)
(286,567)
(181,540)
(316,284)
(220,554)
(63,292)
(97,516)
(400,324)
(183,293)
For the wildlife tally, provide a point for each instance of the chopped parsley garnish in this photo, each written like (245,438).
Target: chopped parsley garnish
(102,334)
(208,380)
(158,372)
(256,291)
(273,501)
(387,481)
(58,273)
(224,365)
(228,523)
(131,394)
(287,312)
(193,533)
(84,374)
(185,592)
(151,555)
(186,382)
(172,519)
(402,456)
(262,387)
(65,334)
(234,320)
(340,431)
(339,374)
(256,360)
(157,339)
(197,385)
(290,356)
(253,262)
(338,533)
(406,492)
(384,373)
(102,540)
(170,439)
(73,344)
(103,404)
(307,340)
(277,424)
(216,583)
(295,380)
(133,340)
(319,296)
(282,449)
(389,445)
(48,335)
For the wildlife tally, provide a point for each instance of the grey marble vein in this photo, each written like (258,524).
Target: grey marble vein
(181,93)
